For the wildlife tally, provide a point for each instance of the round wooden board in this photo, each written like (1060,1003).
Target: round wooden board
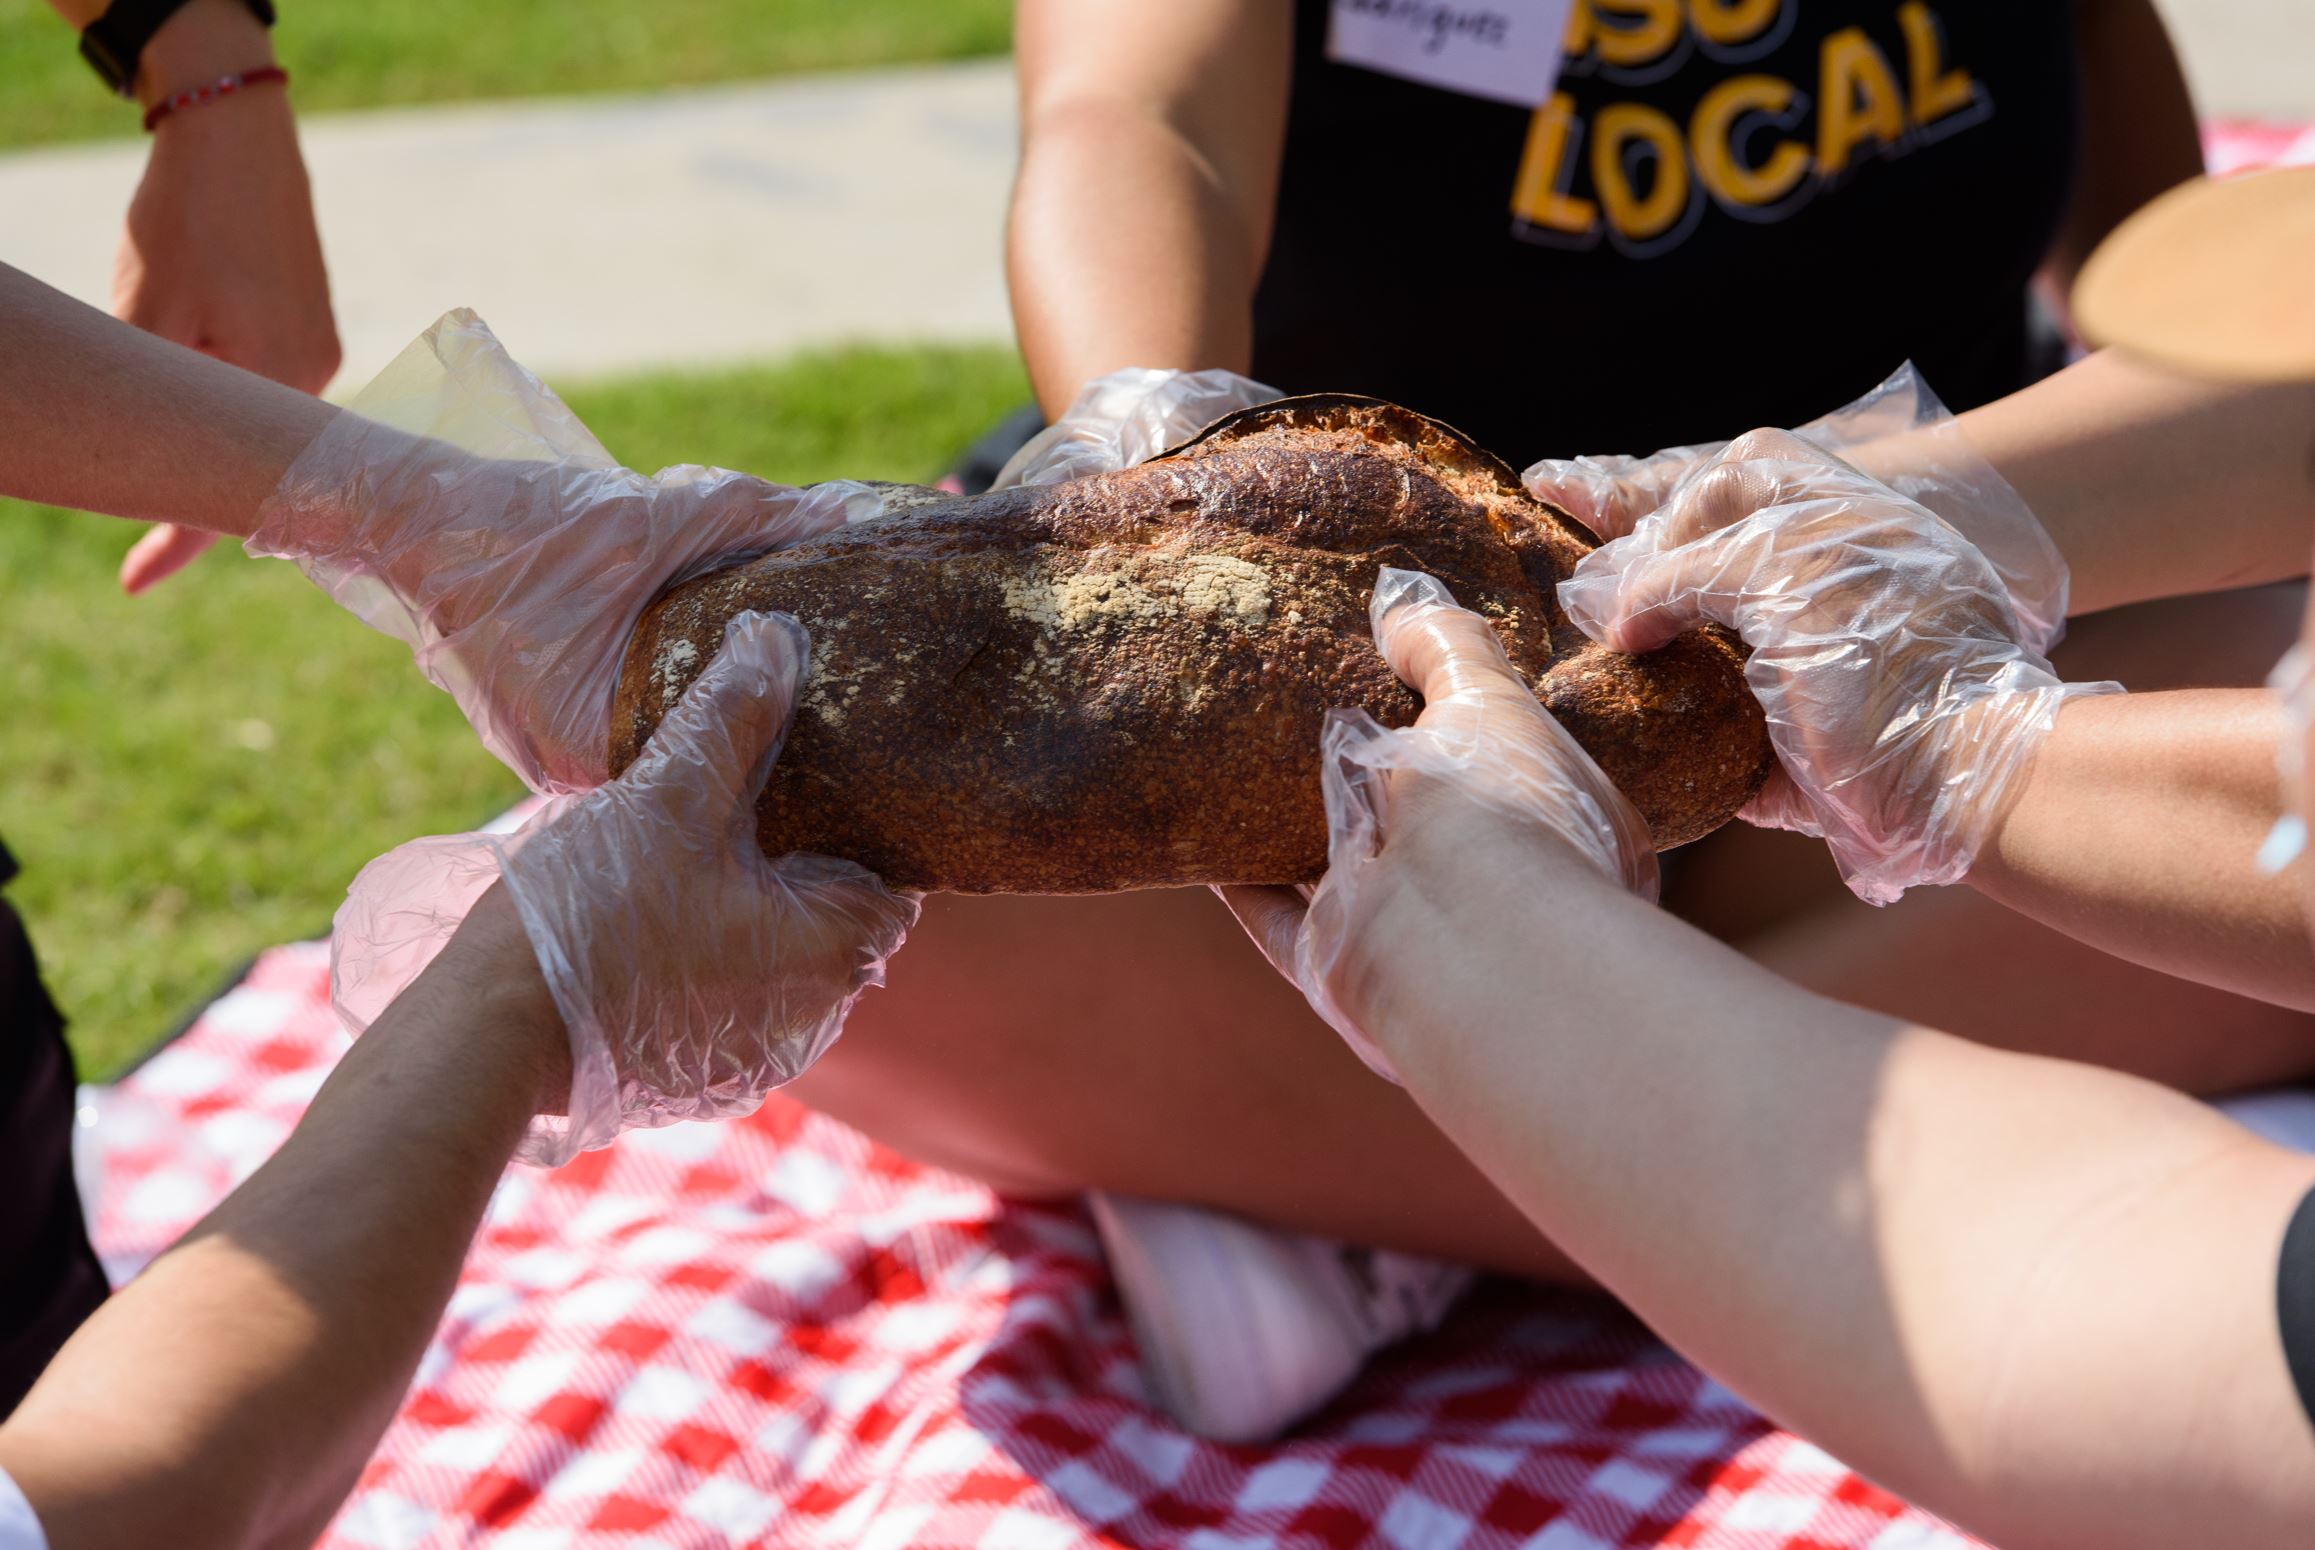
(2215,278)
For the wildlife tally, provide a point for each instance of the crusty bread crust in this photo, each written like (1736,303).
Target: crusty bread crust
(1119,682)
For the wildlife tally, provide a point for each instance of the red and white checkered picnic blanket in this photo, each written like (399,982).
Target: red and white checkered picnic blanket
(774,1332)
(2244,145)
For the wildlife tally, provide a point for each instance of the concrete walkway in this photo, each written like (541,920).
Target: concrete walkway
(618,233)
(2247,58)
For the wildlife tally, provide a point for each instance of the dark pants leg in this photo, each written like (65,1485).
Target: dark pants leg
(979,464)
(50,1279)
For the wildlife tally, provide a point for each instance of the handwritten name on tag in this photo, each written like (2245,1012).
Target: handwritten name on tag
(1503,50)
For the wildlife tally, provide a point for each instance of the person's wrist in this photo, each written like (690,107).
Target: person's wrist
(491,967)
(205,41)
(1961,772)
(1439,898)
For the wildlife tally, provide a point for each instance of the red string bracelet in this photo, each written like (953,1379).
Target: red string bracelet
(215,91)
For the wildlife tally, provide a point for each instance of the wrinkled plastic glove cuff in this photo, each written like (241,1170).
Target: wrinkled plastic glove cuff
(1953,479)
(2293,685)
(458,506)
(1129,417)
(2007,727)
(592,1116)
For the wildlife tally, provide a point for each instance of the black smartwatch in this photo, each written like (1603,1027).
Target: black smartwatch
(115,41)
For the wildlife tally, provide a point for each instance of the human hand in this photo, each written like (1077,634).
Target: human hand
(1129,417)
(1610,492)
(692,974)
(459,507)
(1483,758)
(1901,434)
(219,251)
(1903,701)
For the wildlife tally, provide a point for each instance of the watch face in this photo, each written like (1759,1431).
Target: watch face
(2213,278)
(97,49)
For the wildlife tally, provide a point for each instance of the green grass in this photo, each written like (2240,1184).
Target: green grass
(194,774)
(373,53)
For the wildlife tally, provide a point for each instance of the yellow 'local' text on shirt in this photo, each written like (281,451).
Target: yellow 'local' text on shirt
(1749,145)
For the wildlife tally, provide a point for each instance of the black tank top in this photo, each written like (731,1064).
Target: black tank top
(1731,213)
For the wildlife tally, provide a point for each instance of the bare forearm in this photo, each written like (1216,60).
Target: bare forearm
(1150,144)
(1657,1104)
(232,1393)
(2136,831)
(2153,485)
(1988,1280)
(1124,251)
(103,417)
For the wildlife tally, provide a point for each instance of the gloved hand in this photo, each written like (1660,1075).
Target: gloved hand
(459,507)
(2293,683)
(1482,745)
(1902,435)
(1903,700)
(1129,417)
(1610,492)
(693,975)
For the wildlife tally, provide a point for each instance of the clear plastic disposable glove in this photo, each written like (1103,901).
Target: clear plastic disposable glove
(1903,700)
(2293,684)
(1129,417)
(1482,741)
(693,975)
(1900,433)
(1610,492)
(459,507)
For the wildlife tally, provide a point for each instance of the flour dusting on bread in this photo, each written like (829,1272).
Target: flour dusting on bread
(1137,589)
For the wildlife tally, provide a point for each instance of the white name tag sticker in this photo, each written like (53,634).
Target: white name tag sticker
(1504,50)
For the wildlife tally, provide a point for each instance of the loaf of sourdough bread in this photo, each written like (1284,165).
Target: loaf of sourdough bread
(1119,682)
